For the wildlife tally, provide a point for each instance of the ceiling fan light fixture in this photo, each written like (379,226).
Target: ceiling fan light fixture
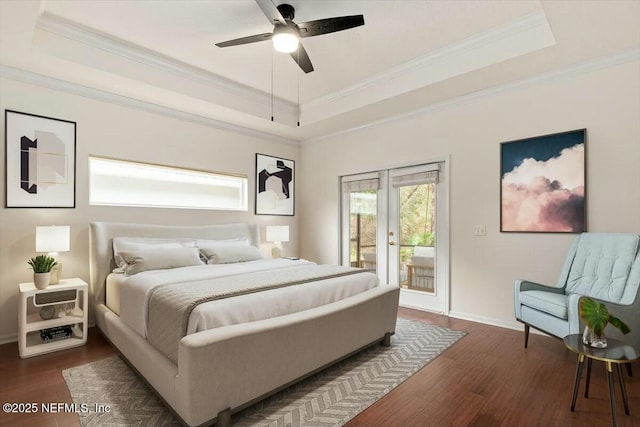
(286,34)
(285,39)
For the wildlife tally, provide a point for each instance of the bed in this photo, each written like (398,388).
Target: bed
(224,362)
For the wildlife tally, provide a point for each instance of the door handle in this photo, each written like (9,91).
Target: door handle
(392,243)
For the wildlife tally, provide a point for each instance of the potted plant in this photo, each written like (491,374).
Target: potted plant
(596,317)
(42,265)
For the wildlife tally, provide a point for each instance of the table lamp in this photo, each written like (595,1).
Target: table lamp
(53,239)
(277,234)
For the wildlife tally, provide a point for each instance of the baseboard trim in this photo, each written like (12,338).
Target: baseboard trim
(411,307)
(6,339)
(515,325)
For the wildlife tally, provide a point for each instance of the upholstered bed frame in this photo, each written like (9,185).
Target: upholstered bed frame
(224,370)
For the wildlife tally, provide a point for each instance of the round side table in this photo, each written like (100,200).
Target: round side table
(615,354)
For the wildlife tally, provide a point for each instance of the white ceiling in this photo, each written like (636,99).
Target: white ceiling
(410,54)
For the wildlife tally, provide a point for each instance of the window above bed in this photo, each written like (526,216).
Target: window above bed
(123,183)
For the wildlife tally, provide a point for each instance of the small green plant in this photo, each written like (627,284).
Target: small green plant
(596,316)
(42,263)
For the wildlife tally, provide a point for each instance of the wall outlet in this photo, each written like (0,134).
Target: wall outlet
(480,230)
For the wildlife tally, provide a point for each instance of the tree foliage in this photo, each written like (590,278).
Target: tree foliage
(417,222)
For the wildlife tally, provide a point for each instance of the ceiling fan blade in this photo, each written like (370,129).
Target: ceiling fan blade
(302,59)
(329,25)
(271,11)
(245,40)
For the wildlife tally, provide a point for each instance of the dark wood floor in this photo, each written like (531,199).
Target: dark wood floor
(486,379)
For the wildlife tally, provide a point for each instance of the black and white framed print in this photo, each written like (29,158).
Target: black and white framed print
(542,184)
(275,179)
(40,161)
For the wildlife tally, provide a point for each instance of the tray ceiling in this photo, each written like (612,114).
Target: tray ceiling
(409,54)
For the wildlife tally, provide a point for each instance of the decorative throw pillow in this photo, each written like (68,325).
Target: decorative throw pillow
(159,259)
(121,244)
(215,244)
(229,254)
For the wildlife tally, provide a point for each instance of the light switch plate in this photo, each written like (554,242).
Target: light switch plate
(480,230)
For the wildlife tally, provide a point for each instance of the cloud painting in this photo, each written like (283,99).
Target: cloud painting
(543,184)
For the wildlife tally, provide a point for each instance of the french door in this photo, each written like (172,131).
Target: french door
(394,223)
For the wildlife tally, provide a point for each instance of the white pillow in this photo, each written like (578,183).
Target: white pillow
(240,241)
(159,259)
(121,244)
(229,254)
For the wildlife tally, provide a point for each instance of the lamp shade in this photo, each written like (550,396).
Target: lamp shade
(277,233)
(52,238)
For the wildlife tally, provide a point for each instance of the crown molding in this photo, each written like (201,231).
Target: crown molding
(529,33)
(565,73)
(525,35)
(30,77)
(62,27)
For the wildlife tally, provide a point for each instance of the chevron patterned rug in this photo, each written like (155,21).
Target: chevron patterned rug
(329,398)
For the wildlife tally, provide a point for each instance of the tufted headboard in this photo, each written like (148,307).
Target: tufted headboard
(102,233)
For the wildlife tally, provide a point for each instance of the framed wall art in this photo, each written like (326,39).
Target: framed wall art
(275,179)
(542,184)
(40,160)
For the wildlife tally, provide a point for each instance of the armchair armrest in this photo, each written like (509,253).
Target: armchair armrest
(525,285)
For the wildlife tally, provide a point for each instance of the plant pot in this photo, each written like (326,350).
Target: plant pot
(41,280)
(592,340)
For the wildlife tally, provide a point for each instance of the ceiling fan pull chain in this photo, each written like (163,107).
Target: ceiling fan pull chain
(298,74)
(272,85)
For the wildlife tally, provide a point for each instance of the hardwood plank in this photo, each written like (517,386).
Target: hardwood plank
(486,379)
(39,379)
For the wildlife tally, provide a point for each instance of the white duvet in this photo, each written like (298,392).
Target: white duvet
(127,296)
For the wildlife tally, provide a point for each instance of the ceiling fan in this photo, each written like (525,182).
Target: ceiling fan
(286,34)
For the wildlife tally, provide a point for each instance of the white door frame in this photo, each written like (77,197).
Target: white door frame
(408,298)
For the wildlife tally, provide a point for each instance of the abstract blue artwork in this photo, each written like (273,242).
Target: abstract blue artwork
(542,184)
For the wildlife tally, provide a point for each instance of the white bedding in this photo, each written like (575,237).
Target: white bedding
(127,296)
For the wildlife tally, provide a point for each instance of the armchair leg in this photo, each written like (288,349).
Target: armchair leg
(526,336)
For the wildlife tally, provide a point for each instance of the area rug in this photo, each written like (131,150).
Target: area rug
(112,394)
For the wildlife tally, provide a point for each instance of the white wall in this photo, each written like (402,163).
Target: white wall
(606,101)
(111,130)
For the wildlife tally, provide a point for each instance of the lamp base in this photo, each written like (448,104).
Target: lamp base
(56,272)
(276,251)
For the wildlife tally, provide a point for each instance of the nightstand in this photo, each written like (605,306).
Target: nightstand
(65,310)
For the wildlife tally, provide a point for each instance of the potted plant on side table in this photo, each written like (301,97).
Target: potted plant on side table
(596,317)
(42,265)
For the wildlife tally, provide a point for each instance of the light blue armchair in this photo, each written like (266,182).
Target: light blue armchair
(605,267)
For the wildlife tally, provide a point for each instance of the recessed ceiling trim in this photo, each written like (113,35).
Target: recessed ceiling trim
(29,77)
(525,35)
(71,30)
(566,73)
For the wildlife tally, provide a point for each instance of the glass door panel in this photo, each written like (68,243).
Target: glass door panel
(363,201)
(417,227)
(363,221)
(417,256)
